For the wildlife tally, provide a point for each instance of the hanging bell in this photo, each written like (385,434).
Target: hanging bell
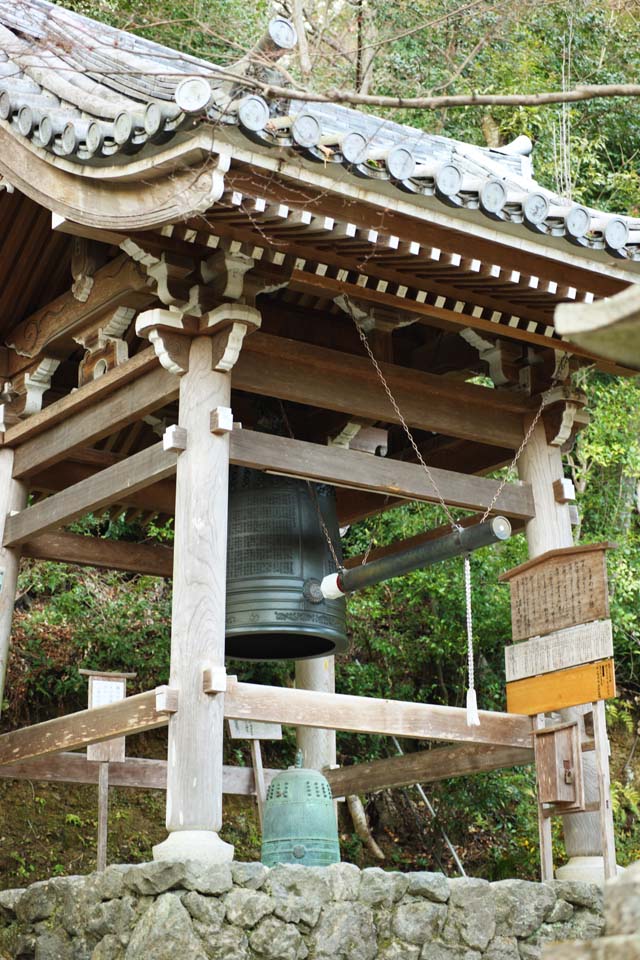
(299,820)
(277,556)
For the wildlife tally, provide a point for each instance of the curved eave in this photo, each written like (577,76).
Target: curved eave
(609,328)
(187,177)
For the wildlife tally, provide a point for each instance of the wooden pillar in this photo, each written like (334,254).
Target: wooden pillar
(194,769)
(13,496)
(318,746)
(539,465)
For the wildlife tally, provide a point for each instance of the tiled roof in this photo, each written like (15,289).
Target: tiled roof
(97,96)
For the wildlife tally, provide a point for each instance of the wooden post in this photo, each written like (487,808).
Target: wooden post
(544,823)
(318,746)
(13,496)
(103,814)
(105,688)
(194,771)
(541,465)
(258,777)
(601,744)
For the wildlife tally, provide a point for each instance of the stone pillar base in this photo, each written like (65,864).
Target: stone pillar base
(194,845)
(587,869)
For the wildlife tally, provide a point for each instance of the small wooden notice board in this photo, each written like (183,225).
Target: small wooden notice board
(560,588)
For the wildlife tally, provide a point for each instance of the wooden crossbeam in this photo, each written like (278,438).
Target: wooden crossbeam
(134,772)
(275,367)
(301,372)
(134,473)
(122,282)
(92,416)
(425,766)
(333,711)
(144,711)
(262,452)
(350,468)
(152,559)
(89,394)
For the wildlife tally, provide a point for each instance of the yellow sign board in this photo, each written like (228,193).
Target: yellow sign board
(564,688)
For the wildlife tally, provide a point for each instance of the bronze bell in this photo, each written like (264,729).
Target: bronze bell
(300,820)
(276,558)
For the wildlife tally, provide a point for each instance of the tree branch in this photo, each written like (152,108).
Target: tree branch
(587,92)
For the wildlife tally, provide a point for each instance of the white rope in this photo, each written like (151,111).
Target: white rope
(473,719)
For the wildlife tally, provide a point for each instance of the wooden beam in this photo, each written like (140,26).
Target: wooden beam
(159,497)
(151,559)
(333,711)
(425,766)
(290,370)
(85,396)
(134,772)
(276,367)
(134,473)
(145,711)
(119,283)
(350,468)
(128,403)
(429,224)
(347,468)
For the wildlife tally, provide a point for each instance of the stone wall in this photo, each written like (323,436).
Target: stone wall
(622,917)
(242,911)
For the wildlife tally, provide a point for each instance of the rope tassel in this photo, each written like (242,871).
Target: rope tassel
(473,719)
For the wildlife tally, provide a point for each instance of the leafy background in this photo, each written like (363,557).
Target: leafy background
(407,636)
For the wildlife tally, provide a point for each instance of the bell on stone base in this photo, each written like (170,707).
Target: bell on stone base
(276,558)
(299,820)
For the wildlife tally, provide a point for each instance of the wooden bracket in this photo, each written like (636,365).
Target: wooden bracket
(564,490)
(221,421)
(215,680)
(104,344)
(171,331)
(503,357)
(174,439)
(564,416)
(23,395)
(87,257)
(166,700)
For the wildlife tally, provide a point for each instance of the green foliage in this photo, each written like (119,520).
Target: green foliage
(408,636)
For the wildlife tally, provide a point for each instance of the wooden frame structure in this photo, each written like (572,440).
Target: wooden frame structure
(163,267)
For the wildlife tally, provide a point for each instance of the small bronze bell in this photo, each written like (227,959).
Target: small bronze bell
(277,556)
(299,819)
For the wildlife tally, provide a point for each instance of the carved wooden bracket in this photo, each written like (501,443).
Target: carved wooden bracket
(564,416)
(194,287)
(22,397)
(105,348)
(87,257)
(370,317)
(503,357)
(170,332)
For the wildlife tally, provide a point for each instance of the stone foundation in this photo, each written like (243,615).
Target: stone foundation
(622,917)
(242,911)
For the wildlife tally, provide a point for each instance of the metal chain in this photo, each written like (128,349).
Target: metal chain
(392,400)
(314,496)
(367,551)
(512,465)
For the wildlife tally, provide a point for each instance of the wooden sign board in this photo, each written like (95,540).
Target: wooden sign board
(103,690)
(560,588)
(254,730)
(559,766)
(564,688)
(560,650)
